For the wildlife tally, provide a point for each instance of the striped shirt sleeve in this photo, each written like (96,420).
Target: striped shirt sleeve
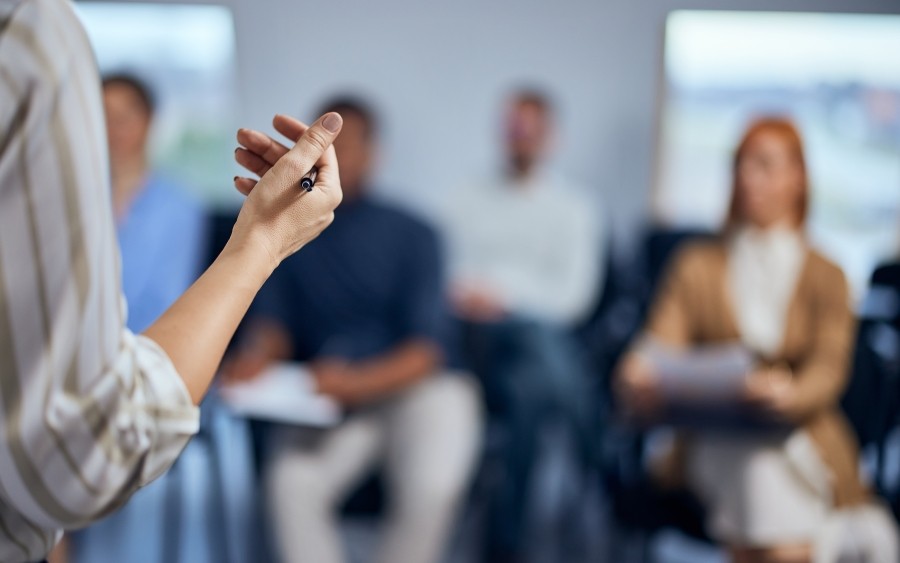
(89,411)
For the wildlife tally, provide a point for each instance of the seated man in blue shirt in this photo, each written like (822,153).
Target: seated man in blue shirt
(363,306)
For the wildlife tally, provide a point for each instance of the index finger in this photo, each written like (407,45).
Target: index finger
(313,148)
(288,126)
(262,145)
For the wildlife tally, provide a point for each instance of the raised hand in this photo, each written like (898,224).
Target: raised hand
(258,152)
(278,215)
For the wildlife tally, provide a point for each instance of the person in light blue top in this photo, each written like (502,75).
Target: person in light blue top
(162,236)
(197,512)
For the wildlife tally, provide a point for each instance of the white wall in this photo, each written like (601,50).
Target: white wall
(437,72)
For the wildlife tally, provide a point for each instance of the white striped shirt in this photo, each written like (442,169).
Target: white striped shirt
(89,411)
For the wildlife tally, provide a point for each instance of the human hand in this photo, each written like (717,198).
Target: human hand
(771,392)
(476,304)
(637,387)
(278,217)
(266,342)
(339,380)
(243,366)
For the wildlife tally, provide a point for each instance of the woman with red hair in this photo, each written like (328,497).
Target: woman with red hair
(793,494)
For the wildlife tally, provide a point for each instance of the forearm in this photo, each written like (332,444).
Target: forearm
(398,369)
(821,379)
(275,221)
(267,338)
(197,328)
(60,553)
(819,385)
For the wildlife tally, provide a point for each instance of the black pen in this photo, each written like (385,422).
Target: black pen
(309,179)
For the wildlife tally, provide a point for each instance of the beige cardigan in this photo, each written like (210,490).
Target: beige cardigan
(693,307)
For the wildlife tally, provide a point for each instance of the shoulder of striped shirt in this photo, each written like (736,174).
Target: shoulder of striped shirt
(52,9)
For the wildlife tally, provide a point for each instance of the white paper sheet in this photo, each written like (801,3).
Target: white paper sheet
(283,393)
(710,374)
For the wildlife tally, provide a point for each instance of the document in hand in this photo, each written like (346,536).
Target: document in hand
(709,374)
(703,387)
(283,393)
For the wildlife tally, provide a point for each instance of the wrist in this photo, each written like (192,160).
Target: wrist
(251,256)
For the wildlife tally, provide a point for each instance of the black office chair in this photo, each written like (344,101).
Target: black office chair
(639,507)
(872,399)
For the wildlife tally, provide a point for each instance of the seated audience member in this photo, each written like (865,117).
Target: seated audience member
(162,235)
(792,494)
(161,229)
(364,308)
(525,267)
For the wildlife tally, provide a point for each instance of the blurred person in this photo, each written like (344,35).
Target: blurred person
(161,229)
(526,254)
(363,307)
(162,235)
(780,496)
(92,411)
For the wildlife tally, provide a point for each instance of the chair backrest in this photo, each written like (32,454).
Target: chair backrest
(867,403)
(661,245)
(872,399)
(636,502)
(630,288)
(882,301)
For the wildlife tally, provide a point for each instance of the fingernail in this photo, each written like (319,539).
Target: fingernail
(235,178)
(332,122)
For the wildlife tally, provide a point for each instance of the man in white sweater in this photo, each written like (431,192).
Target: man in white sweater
(526,256)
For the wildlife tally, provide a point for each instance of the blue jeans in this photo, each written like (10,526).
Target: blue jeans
(530,372)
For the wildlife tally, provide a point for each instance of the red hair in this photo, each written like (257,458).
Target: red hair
(789,134)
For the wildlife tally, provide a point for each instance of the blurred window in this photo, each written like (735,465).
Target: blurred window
(836,75)
(187,55)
